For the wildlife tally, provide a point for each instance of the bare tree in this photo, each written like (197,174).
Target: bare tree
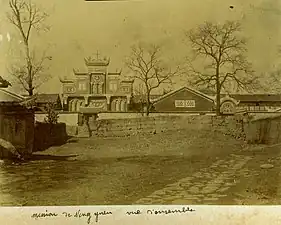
(223,50)
(149,69)
(26,17)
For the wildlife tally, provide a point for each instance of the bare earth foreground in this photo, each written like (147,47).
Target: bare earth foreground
(184,167)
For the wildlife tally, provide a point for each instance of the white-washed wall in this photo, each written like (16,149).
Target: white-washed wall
(70,119)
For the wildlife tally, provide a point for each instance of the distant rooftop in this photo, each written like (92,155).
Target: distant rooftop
(257,97)
(45,98)
(8,96)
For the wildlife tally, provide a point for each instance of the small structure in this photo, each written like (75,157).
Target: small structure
(184,99)
(16,122)
(96,90)
(257,102)
(260,103)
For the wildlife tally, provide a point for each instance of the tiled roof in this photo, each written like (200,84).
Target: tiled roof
(137,98)
(257,97)
(45,98)
(8,96)
(185,88)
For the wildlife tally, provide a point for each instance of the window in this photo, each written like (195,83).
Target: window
(82,86)
(184,103)
(113,86)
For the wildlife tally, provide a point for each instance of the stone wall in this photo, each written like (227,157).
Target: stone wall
(230,125)
(126,115)
(133,126)
(17,128)
(266,130)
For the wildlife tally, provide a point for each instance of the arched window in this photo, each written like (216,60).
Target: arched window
(113,106)
(123,105)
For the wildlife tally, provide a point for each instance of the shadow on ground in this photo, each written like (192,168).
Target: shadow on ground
(35,157)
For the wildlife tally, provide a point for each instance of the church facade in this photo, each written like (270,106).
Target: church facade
(96,89)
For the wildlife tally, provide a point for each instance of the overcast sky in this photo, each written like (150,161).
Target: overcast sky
(81,28)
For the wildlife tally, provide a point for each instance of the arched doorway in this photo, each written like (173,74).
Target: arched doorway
(117,105)
(123,105)
(113,105)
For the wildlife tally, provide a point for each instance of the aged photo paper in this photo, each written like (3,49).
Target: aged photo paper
(140,111)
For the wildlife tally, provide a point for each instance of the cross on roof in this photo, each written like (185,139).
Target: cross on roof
(97,54)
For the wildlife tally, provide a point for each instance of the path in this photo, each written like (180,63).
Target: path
(206,186)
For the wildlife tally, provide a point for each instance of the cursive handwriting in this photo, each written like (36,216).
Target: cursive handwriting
(95,216)
(169,211)
(44,215)
(88,215)
(78,214)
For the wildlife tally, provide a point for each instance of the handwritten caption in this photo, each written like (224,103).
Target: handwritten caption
(94,217)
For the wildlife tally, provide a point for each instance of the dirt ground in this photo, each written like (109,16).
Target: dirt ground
(125,170)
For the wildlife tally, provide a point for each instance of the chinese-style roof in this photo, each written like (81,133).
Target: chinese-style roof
(76,72)
(11,97)
(4,83)
(65,80)
(97,62)
(257,97)
(138,98)
(45,98)
(114,73)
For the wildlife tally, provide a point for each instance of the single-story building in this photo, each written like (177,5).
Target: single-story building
(250,102)
(184,99)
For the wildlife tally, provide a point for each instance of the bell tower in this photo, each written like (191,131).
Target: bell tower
(97,69)
(98,64)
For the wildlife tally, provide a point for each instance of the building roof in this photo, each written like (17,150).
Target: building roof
(97,62)
(137,98)
(8,96)
(45,98)
(184,88)
(4,83)
(257,97)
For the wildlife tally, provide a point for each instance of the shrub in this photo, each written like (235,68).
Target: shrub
(52,116)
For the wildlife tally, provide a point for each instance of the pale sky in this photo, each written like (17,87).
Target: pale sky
(79,29)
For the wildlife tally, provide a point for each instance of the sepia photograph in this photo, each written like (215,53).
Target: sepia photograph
(141,102)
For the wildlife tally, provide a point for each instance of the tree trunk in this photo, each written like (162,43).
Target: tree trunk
(147,109)
(30,91)
(218,92)
(148,104)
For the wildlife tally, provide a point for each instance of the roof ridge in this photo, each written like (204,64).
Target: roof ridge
(13,94)
(179,89)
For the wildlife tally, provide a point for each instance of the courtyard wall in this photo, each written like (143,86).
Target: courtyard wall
(134,126)
(70,120)
(264,130)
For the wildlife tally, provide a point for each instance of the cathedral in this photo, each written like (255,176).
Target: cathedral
(96,89)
